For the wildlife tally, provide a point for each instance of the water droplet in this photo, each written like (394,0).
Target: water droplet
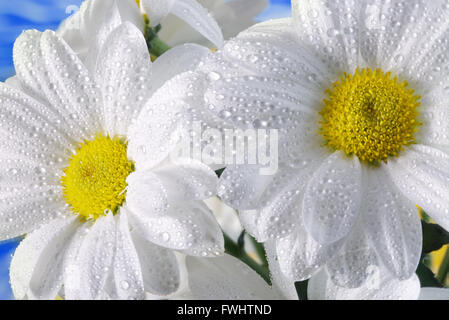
(165,236)
(124,285)
(214,76)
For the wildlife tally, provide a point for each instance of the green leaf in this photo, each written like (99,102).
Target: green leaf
(426,276)
(260,250)
(234,249)
(434,237)
(443,271)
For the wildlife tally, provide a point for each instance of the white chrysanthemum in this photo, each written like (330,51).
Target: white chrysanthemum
(358,91)
(86,172)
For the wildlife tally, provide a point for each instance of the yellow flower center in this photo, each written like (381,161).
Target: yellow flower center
(95,179)
(370,114)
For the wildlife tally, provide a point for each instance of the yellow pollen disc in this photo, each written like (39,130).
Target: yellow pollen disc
(95,179)
(370,114)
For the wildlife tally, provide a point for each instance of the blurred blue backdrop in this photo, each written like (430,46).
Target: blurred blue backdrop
(19,15)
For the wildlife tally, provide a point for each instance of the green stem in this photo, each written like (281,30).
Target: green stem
(444,269)
(158,47)
(233,249)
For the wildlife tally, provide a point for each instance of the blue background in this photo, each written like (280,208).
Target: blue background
(19,15)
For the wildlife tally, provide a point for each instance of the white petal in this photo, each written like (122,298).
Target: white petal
(422,174)
(86,30)
(157,10)
(13,81)
(420,56)
(278,33)
(129,11)
(435,127)
(434,294)
(200,19)
(351,34)
(275,26)
(41,128)
(268,102)
(226,278)
(146,193)
(71,273)
(187,180)
(380,286)
(51,72)
(288,62)
(159,127)
(355,262)
(70,30)
(191,228)
(123,71)
(281,204)
(160,269)
(176,61)
(392,224)
(242,186)
(270,95)
(226,216)
(300,256)
(282,201)
(32,150)
(96,257)
(323,25)
(332,198)
(99,19)
(152,192)
(231,16)
(128,275)
(280,282)
(26,212)
(37,265)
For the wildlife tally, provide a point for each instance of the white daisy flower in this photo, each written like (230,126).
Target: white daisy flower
(88,181)
(358,91)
